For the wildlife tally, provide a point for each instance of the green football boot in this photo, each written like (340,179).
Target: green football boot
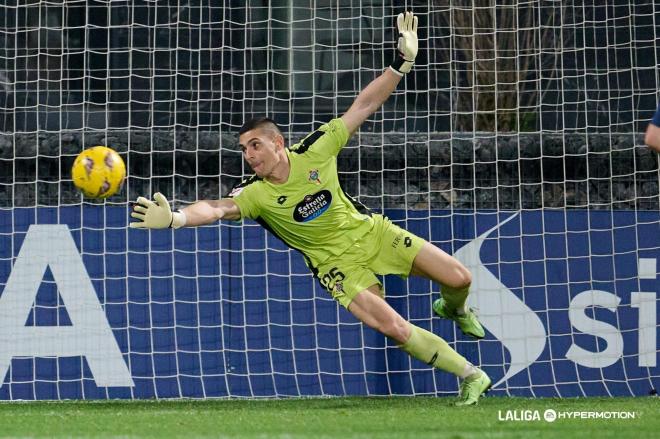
(467,322)
(472,388)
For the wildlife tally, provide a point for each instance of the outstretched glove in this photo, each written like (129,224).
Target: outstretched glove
(407,44)
(156,215)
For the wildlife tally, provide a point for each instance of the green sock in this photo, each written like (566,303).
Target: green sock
(455,298)
(434,351)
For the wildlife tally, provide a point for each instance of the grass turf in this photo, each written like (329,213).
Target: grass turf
(395,417)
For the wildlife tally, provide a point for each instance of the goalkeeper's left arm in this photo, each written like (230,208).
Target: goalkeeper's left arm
(372,97)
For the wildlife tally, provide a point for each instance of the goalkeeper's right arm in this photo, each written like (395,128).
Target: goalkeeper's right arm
(158,215)
(376,93)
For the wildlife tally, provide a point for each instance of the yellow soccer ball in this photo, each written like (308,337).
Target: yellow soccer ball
(98,172)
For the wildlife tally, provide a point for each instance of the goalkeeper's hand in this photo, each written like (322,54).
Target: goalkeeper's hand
(156,215)
(406,45)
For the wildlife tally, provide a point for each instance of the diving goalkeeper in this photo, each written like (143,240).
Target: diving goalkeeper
(295,194)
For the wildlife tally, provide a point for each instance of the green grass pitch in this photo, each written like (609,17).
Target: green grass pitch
(380,417)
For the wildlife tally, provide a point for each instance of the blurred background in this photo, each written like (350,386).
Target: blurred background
(167,83)
(119,64)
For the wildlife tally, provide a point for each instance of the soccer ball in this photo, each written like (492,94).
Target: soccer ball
(98,172)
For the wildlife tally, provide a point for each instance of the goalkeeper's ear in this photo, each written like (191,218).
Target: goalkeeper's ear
(278,140)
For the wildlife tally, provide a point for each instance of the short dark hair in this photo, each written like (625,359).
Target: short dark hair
(258,122)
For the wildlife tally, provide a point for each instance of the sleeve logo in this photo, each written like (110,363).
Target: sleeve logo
(236,191)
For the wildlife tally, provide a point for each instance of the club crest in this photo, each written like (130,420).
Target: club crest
(314,176)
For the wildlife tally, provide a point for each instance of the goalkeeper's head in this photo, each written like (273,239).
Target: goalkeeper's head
(262,143)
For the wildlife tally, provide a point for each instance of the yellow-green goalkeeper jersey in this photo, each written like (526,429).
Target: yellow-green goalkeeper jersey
(310,212)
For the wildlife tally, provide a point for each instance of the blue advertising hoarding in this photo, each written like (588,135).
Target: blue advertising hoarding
(92,309)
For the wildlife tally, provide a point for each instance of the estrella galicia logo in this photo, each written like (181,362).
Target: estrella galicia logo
(312,206)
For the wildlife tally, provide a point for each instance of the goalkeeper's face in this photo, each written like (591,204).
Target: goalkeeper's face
(263,150)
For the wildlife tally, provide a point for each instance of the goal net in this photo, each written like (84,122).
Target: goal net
(515,144)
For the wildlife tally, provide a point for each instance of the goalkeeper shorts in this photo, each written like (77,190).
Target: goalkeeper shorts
(386,249)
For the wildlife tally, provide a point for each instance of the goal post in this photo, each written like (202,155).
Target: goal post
(515,144)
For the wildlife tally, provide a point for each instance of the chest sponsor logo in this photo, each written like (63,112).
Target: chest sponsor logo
(312,206)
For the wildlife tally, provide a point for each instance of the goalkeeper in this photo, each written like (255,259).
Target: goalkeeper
(652,136)
(295,194)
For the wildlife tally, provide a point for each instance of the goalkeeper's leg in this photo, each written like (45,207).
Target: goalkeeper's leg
(436,265)
(370,308)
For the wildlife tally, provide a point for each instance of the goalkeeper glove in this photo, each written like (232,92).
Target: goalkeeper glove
(156,215)
(407,44)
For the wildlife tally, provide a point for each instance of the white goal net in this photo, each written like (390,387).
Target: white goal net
(516,144)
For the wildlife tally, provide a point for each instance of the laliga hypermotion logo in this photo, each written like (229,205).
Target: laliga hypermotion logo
(507,317)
